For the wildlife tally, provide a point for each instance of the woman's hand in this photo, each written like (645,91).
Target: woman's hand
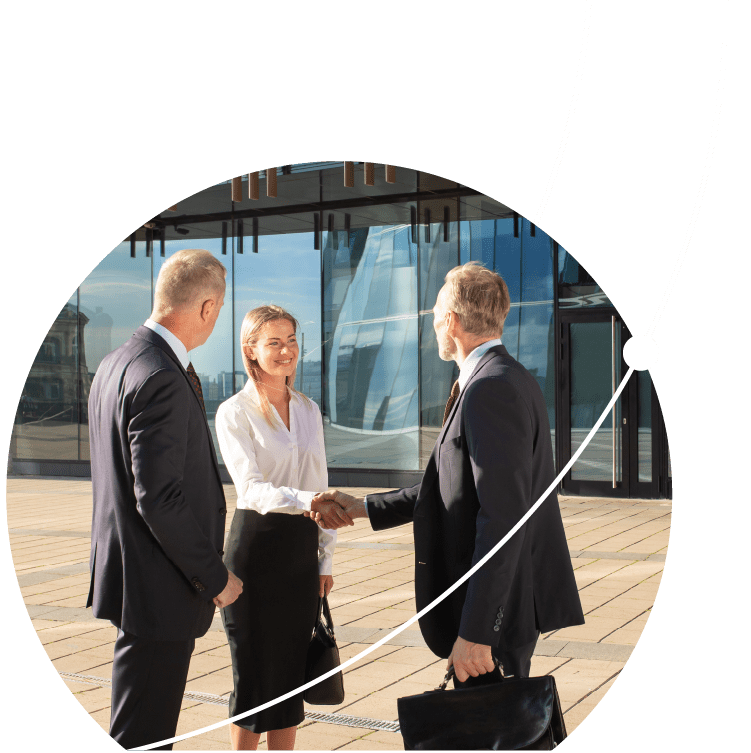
(325,584)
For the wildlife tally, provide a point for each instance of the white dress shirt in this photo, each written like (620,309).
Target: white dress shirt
(465,372)
(177,345)
(470,362)
(276,470)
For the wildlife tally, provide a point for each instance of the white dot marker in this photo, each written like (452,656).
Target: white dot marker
(641,353)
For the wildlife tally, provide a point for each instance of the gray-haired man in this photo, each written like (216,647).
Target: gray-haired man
(492,461)
(159,508)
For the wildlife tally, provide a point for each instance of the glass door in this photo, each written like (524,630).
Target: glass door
(591,369)
(628,457)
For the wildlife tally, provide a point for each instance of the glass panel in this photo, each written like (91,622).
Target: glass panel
(591,389)
(370,352)
(576,287)
(526,264)
(536,348)
(115,301)
(644,426)
(285,272)
(536,343)
(46,425)
(437,257)
(213,359)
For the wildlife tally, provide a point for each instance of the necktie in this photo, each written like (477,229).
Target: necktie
(452,399)
(196,382)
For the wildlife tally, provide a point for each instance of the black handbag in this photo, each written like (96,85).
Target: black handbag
(513,714)
(323,655)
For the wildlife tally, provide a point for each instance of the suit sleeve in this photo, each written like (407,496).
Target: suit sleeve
(498,431)
(392,509)
(158,437)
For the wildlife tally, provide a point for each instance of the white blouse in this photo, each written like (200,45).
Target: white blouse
(276,470)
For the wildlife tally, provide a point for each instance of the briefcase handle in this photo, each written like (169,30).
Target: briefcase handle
(451,674)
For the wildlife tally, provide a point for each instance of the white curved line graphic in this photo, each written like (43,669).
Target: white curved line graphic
(571,111)
(430,606)
(705,175)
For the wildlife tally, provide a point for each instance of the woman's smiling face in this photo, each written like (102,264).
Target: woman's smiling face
(276,349)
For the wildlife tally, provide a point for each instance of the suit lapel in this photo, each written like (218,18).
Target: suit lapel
(484,361)
(150,336)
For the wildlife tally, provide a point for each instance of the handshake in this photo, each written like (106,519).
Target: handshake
(335,509)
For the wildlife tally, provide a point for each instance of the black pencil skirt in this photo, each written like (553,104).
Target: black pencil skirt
(270,625)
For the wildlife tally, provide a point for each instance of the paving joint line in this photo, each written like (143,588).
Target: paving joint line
(377,725)
(633,528)
(624,624)
(594,690)
(619,520)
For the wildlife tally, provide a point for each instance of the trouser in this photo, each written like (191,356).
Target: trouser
(515,661)
(148,682)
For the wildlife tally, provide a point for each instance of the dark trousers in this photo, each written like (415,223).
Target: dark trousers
(148,682)
(515,661)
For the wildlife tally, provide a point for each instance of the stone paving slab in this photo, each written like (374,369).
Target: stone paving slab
(618,548)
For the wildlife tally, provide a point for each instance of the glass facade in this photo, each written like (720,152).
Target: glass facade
(48,419)
(370,353)
(360,268)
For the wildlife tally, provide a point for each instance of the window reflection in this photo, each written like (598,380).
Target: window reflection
(576,287)
(437,257)
(364,301)
(525,262)
(286,272)
(116,300)
(47,417)
(370,353)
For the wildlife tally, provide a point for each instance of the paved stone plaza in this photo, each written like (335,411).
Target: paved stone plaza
(617,547)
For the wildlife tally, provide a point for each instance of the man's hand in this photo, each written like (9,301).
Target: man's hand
(231,591)
(335,509)
(325,584)
(470,659)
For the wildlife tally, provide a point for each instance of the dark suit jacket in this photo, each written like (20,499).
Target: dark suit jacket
(491,462)
(159,508)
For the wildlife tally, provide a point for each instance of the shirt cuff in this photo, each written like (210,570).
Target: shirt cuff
(305,499)
(325,564)
(365,505)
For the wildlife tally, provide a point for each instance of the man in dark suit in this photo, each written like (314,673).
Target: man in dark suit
(159,510)
(492,461)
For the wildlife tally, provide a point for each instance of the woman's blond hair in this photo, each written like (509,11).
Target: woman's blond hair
(253,323)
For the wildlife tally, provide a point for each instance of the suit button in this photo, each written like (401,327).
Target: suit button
(223,509)
(221,552)
(198,585)
(498,622)
(496,628)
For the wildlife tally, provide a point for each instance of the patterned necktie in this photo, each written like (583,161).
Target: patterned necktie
(452,399)
(196,382)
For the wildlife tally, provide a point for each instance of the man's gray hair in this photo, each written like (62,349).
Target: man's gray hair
(479,297)
(188,278)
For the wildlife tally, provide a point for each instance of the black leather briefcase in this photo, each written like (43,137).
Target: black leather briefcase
(513,714)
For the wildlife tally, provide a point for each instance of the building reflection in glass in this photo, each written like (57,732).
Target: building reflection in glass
(363,298)
(370,348)
(48,413)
